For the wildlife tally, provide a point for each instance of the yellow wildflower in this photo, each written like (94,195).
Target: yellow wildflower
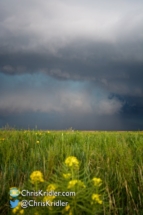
(51,187)
(36,176)
(67,176)
(70,212)
(16,208)
(37,141)
(81,184)
(21,211)
(72,183)
(49,198)
(97,181)
(95,197)
(66,209)
(72,161)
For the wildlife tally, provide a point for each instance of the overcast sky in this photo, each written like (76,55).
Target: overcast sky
(72,64)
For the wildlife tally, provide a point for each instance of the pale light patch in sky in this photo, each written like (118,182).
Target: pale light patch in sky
(40,96)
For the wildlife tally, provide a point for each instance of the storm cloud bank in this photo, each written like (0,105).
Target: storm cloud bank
(76,64)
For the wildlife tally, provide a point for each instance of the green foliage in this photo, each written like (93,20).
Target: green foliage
(114,157)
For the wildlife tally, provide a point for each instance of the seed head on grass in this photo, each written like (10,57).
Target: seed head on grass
(36,176)
(72,161)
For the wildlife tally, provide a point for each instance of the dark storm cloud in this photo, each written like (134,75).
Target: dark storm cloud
(105,64)
(71,40)
(97,45)
(55,121)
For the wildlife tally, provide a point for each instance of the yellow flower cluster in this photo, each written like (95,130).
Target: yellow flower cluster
(97,181)
(67,176)
(18,209)
(95,198)
(72,161)
(36,176)
(72,183)
(66,209)
(37,141)
(51,187)
(38,133)
(49,198)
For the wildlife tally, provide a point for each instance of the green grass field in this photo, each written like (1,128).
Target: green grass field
(113,158)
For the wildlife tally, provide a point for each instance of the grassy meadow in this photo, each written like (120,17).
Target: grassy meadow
(105,170)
